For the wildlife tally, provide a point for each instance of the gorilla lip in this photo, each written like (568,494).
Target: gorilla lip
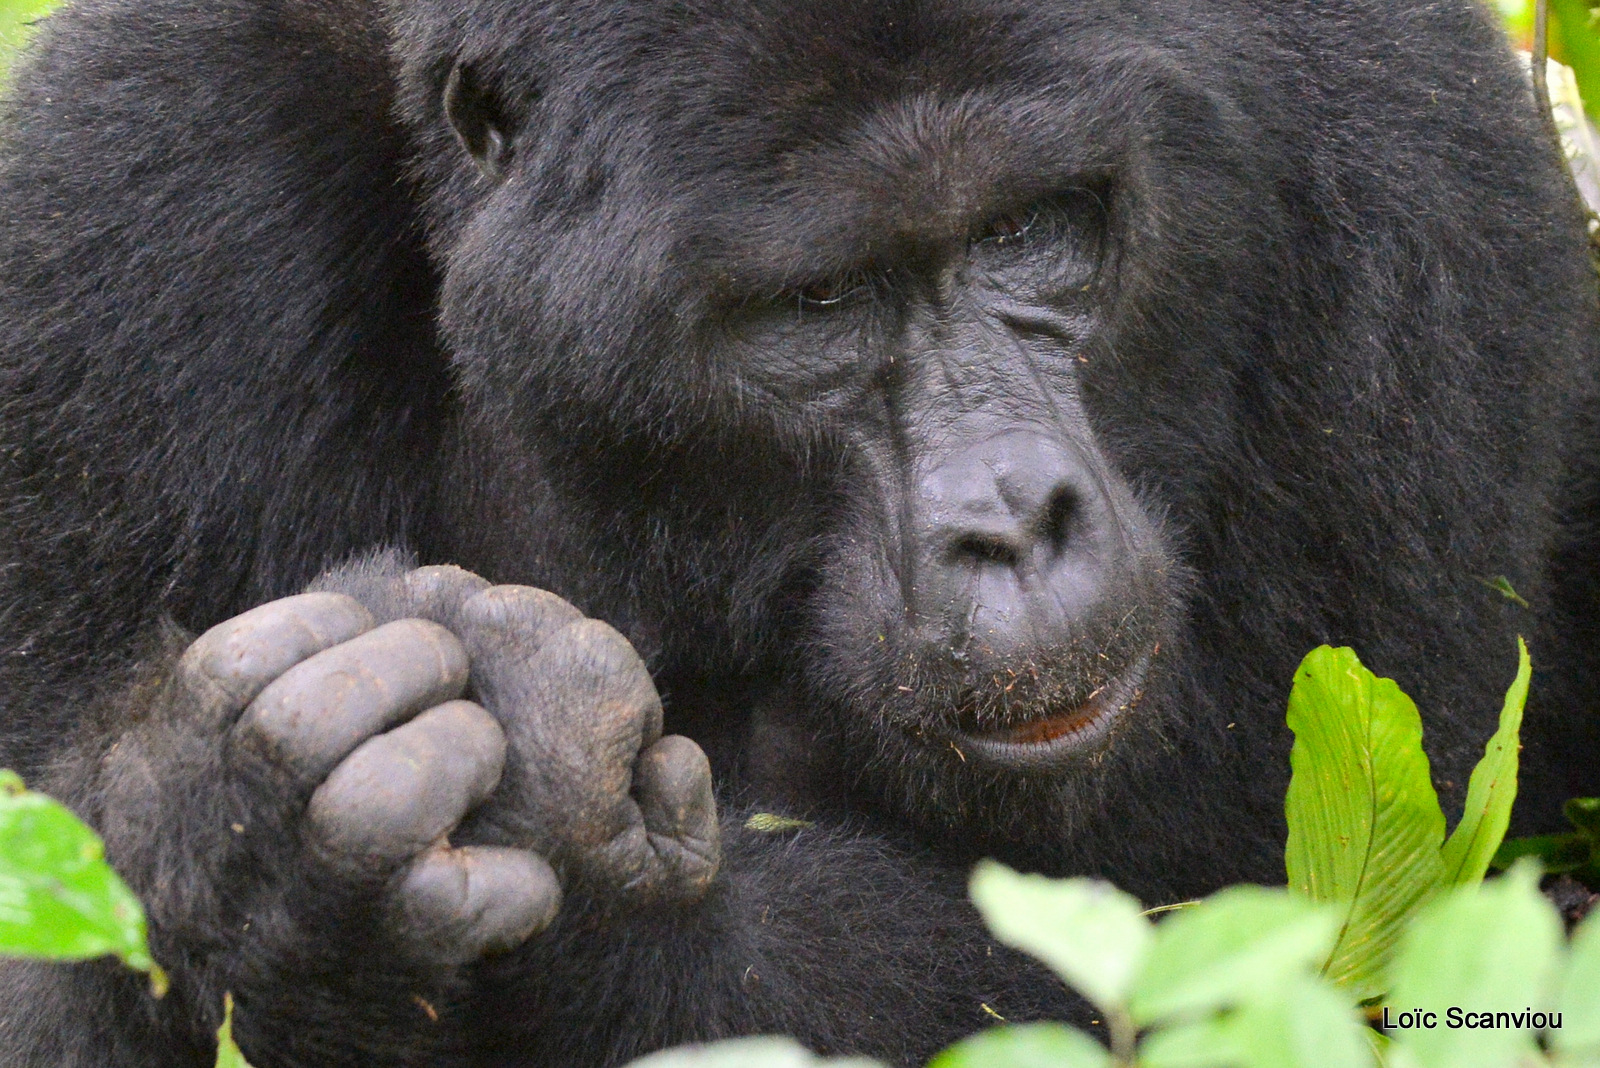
(1046,739)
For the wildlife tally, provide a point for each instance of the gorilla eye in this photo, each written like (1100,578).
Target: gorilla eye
(1009,229)
(479,120)
(1072,213)
(837,292)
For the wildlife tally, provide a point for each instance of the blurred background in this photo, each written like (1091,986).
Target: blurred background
(15,15)
(1574,39)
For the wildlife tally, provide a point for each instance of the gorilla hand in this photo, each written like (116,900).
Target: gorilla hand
(589,781)
(364,722)
(316,815)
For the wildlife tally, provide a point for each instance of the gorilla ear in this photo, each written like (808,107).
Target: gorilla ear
(479,120)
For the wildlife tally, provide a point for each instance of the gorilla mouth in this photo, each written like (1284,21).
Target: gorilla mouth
(1058,736)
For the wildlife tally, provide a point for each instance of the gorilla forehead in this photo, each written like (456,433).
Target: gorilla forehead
(781,139)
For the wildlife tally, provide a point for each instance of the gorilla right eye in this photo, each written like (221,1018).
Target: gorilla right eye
(1011,228)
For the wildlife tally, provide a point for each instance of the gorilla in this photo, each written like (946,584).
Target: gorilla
(539,531)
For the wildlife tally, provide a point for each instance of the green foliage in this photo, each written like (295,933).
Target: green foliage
(1365,827)
(1492,948)
(1578,997)
(1577,852)
(764,1052)
(1257,977)
(1492,789)
(772,823)
(1036,1045)
(228,1055)
(1238,947)
(1089,932)
(16,23)
(1576,44)
(1573,40)
(1232,980)
(1303,1024)
(59,899)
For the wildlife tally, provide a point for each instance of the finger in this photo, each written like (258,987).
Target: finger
(440,592)
(458,904)
(672,784)
(401,792)
(390,592)
(503,626)
(230,664)
(316,713)
(575,714)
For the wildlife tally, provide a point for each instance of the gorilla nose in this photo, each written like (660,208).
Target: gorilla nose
(1018,544)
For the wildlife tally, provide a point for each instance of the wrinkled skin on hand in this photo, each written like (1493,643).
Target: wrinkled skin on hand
(559,758)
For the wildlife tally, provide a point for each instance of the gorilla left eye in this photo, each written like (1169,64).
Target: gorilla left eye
(836,292)
(1011,228)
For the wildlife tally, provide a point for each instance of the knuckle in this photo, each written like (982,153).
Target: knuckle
(399,792)
(461,903)
(417,647)
(360,687)
(520,617)
(590,663)
(464,741)
(240,656)
(438,592)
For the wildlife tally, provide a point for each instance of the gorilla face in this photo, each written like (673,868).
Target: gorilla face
(856,356)
(996,592)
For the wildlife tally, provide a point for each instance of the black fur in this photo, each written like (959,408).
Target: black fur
(262,314)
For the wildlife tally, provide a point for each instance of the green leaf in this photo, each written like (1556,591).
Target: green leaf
(1579,48)
(1491,790)
(1237,944)
(763,1052)
(1365,828)
(228,1055)
(1502,585)
(1038,1045)
(1486,948)
(59,899)
(1578,997)
(1305,1023)
(1089,932)
(1584,814)
(1556,852)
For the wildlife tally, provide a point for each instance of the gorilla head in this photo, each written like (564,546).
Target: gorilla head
(913,360)
(972,410)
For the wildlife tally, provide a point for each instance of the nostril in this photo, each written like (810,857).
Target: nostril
(985,548)
(1055,522)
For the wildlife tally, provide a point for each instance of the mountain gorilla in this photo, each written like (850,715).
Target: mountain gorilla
(966,412)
